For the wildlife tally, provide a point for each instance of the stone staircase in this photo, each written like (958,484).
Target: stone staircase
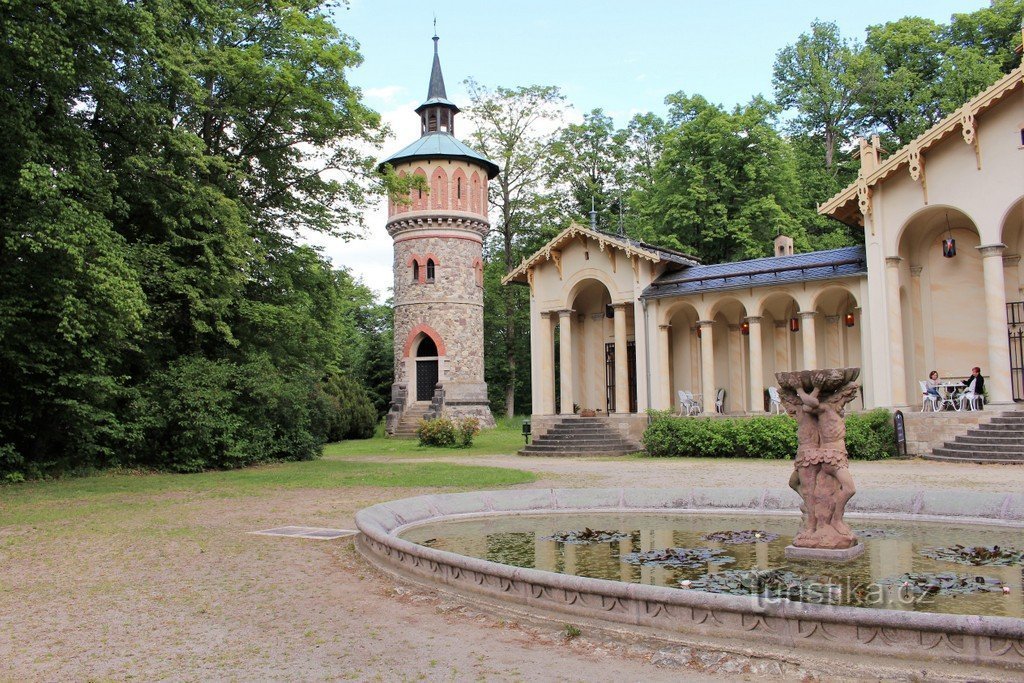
(579,437)
(411,417)
(1001,440)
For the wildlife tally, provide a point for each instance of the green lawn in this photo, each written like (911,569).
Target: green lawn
(505,438)
(127,493)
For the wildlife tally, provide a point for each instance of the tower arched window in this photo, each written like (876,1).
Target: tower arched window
(430,270)
(458,188)
(415,271)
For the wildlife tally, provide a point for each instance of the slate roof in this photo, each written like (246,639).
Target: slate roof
(665,253)
(762,272)
(441,145)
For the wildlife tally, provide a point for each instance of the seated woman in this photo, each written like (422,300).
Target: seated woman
(932,384)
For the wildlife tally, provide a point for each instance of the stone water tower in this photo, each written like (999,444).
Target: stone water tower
(439,295)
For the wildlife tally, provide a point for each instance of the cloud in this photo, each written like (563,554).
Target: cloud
(386,94)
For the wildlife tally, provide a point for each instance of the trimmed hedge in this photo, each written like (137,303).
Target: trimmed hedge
(869,436)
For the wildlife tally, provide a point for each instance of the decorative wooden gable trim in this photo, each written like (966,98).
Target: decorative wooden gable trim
(552,251)
(854,202)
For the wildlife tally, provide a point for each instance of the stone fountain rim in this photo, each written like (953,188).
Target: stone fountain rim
(380,524)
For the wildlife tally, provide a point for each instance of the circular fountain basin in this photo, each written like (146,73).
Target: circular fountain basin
(791,629)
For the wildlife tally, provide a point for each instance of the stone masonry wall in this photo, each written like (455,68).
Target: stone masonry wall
(452,305)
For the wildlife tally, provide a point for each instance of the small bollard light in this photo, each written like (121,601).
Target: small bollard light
(526,431)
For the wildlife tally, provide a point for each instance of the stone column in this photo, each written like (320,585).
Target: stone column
(621,360)
(810,341)
(894,320)
(664,369)
(707,365)
(545,365)
(756,365)
(833,343)
(997,376)
(734,384)
(782,346)
(565,360)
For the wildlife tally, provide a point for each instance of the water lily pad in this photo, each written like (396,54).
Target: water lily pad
(773,583)
(976,555)
(587,536)
(738,537)
(877,533)
(685,558)
(942,583)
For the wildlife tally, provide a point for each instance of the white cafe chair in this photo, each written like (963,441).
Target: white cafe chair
(928,401)
(696,407)
(970,400)
(774,400)
(720,401)
(684,405)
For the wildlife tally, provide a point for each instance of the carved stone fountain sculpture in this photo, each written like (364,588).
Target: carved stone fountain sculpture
(821,474)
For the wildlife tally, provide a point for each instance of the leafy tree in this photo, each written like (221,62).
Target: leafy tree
(513,129)
(155,307)
(725,185)
(588,160)
(824,77)
(921,76)
(994,31)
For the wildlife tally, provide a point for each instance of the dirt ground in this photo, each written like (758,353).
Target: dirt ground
(154,600)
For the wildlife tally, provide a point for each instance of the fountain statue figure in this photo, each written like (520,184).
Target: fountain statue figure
(821,474)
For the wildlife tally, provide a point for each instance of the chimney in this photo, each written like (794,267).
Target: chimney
(783,246)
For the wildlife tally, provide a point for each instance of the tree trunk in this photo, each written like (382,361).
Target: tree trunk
(510,319)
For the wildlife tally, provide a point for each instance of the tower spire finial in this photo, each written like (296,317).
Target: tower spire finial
(436,88)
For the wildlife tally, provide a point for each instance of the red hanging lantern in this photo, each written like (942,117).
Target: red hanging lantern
(949,247)
(794,324)
(948,244)
(849,320)
(744,327)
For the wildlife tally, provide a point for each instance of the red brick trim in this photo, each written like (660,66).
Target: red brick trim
(434,235)
(428,331)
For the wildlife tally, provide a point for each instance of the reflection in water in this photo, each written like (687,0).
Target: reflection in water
(892,550)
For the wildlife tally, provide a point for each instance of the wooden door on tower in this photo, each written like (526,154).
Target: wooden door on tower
(426,379)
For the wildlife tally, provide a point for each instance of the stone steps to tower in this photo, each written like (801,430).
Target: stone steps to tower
(1001,440)
(580,437)
(411,417)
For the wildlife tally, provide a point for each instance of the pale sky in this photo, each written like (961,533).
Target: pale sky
(622,57)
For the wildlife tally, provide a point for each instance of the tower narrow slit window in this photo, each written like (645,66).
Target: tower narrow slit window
(430,270)
(458,188)
(415,271)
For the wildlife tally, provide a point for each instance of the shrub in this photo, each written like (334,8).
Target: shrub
(869,436)
(448,433)
(199,414)
(343,410)
(437,432)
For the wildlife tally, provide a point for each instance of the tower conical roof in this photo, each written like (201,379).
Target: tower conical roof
(436,95)
(439,144)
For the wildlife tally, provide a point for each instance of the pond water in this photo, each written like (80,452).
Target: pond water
(895,571)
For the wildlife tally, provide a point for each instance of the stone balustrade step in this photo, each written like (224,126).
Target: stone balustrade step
(580,437)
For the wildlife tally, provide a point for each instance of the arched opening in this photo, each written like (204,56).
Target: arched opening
(940,298)
(599,382)
(781,347)
(415,271)
(430,270)
(839,325)
(1013,237)
(731,355)
(683,353)
(427,364)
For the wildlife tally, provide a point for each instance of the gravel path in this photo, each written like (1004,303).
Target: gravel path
(174,588)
